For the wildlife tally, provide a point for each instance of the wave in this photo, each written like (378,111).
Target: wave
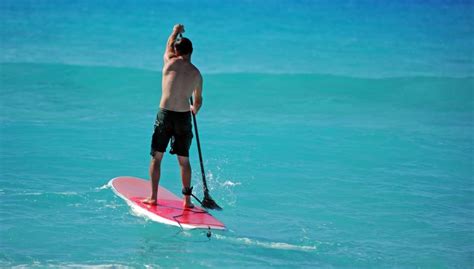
(128,86)
(39,193)
(70,265)
(117,68)
(265,244)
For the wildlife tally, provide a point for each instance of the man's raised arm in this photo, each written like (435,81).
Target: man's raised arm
(170,53)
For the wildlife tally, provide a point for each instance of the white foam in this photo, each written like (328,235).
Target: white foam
(271,245)
(72,265)
(66,193)
(230,183)
(105,186)
(32,193)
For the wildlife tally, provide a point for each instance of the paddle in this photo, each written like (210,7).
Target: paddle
(207,201)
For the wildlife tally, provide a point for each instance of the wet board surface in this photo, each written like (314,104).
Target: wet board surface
(169,209)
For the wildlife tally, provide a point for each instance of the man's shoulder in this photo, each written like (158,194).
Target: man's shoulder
(192,70)
(171,62)
(195,70)
(179,64)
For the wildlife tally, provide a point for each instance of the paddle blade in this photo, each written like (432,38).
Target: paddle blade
(209,203)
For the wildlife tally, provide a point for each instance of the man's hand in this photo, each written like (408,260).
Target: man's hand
(178,29)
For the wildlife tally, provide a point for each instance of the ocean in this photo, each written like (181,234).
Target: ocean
(335,134)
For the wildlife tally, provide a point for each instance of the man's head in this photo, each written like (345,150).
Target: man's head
(183,46)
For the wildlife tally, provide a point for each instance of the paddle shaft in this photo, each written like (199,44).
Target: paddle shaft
(204,183)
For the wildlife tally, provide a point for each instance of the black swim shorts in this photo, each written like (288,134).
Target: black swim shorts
(175,126)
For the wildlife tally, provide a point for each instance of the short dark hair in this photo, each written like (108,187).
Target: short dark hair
(183,46)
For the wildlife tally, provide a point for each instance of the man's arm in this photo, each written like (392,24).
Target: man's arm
(197,96)
(169,52)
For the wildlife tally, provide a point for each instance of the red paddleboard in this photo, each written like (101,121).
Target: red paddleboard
(169,209)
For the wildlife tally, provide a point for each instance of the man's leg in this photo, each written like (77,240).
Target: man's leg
(155,166)
(186,178)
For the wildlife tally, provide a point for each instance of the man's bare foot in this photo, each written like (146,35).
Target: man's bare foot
(150,201)
(187,204)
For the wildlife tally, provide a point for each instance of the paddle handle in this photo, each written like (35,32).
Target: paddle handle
(204,183)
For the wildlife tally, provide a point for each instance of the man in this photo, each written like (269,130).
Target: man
(181,80)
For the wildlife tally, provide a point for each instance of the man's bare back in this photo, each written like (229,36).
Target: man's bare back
(180,79)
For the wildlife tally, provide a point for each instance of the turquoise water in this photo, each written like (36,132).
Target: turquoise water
(351,156)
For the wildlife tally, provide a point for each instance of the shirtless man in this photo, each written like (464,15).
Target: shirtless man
(181,80)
